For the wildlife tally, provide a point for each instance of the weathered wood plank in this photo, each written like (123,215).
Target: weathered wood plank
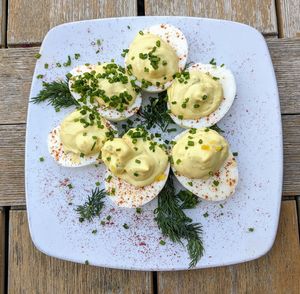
(12,161)
(277,272)
(17,65)
(16,70)
(285,56)
(29,20)
(30,271)
(12,151)
(2,249)
(291,143)
(260,14)
(288,18)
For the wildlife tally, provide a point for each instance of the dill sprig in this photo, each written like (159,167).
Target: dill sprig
(188,199)
(57,94)
(92,207)
(156,113)
(174,223)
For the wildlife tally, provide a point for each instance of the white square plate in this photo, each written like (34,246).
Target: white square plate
(252,126)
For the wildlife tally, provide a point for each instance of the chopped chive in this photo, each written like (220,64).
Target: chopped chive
(216,183)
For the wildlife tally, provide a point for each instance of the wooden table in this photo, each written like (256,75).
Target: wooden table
(23,269)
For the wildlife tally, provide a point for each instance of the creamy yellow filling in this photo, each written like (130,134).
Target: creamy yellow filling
(196,96)
(151,59)
(199,153)
(79,136)
(136,159)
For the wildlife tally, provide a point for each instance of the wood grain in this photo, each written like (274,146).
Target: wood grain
(12,164)
(260,14)
(12,190)
(2,249)
(17,65)
(285,56)
(30,271)
(288,18)
(277,272)
(291,143)
(16,70)
(29,20)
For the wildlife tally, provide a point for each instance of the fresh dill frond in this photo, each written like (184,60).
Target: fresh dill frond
(57,94)
(176,225)
(216,128)
(92,207)
(156,113)
(188,199)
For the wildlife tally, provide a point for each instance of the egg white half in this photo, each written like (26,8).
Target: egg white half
(69,159)
(176,39)
(106,112)
(130,196)
(226,177)
(227,80)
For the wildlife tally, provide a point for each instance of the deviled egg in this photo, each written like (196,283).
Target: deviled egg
(201,96)
(204,164)
(78,140)
(108,87)
(156,54)
(138,168)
